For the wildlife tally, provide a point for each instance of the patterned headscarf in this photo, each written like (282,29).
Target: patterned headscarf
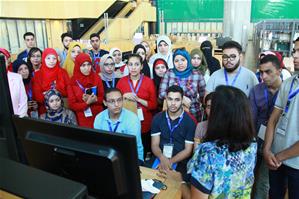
(51,114)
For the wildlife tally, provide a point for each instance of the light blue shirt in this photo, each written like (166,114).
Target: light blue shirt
(245,81)
(128,124)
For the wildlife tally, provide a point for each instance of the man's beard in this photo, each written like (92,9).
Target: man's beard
(230,70)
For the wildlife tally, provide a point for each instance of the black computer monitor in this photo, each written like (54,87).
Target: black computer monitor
(106,162)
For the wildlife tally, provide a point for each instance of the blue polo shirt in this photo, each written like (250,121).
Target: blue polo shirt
(262,103)
(128,124)
(184,133)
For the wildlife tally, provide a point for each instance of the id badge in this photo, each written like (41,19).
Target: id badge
(140,114)
(282,125)
(167,150)
(87,112)
(262,132)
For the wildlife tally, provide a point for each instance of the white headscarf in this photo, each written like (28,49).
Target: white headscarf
(121,63)
(167,57)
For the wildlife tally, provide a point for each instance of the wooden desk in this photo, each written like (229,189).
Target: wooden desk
(173,190)
(6,195)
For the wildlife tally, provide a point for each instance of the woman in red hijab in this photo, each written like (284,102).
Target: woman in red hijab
(86,91)
(50,76)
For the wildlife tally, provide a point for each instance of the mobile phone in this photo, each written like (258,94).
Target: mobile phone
(88,91)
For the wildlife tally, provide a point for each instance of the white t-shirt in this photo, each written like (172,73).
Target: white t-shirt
(245,81)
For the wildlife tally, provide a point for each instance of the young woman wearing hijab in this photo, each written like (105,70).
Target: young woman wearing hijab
(140,89)
(121,68)
(49,76)
(164,51)
(160,68)
(34,59)
(22,68)
(213,63)
(85,93)
(148,49)
(55,109)
(191,81)
(199,63)
(107,74)
(74,49)
(16,87)
(140,50)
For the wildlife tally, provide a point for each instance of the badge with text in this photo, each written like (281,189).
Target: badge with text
(167,150)
(87,112)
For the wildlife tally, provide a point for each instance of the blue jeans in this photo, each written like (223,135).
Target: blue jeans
(281,179)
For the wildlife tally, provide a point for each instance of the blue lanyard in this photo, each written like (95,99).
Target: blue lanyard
(138,86)
(29,93)
(110,126)
(234,80)
(291,95)
(175,126)
(266,96)
(113,83)
(80,86)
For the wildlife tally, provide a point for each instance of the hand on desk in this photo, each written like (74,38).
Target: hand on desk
(170,174)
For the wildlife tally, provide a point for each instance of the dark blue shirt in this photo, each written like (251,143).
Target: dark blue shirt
(261,107)
(184,133)
(23,55)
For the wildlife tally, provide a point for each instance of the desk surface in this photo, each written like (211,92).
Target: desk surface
(173,190)
(6,195)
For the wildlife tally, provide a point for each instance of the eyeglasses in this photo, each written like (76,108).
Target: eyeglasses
(294,51)
(231,57)
(36,56)
(109,64)
(114,101)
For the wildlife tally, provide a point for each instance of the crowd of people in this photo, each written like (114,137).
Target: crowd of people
(230,132)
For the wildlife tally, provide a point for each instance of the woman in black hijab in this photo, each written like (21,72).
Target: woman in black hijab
(213,63)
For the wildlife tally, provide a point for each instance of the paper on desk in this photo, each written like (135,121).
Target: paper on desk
(147,185)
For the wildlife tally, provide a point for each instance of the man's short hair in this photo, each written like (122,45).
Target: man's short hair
(296,40)
(175,89)
(271,58)
(66,34)
(110,90)
(28,34)
(94,35)
(232,44)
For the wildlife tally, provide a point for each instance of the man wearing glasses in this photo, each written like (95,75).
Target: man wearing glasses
(281,147)
(118,119)
(232,74)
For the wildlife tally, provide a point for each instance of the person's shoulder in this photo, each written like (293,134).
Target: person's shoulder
(129,114)
(218,72)
(101,115)
(158,117)
(259,87)
(104,52)
(208,147)
(247,70)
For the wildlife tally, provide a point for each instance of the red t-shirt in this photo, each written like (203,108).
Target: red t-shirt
(146,92)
